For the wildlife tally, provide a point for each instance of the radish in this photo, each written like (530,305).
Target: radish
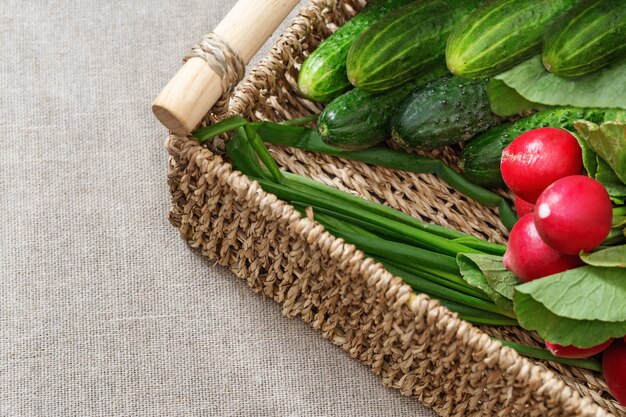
(614,370)
(574,214)
(523,207)
(574,352)
(528,257)
(537,158)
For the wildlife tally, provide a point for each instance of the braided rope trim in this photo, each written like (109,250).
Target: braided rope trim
(222,59)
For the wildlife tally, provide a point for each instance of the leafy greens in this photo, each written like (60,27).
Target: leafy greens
(582,306)
(605,88)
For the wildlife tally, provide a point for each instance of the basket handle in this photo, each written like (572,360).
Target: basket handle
(198,84)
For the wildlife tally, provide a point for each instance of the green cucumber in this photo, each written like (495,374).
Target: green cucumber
(357,119)
(404,44)
(588,37)
(323,74)
(446,111)
(499,35)
(480,159)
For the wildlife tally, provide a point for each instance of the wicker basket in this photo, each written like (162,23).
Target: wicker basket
(408,340)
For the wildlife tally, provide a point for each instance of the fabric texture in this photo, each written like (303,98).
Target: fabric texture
(104,311)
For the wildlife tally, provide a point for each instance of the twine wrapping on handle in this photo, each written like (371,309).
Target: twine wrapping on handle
(223,60)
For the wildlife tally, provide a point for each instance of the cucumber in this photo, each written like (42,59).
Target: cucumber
(404,44)
(588,37)
(446,111)
(323,74)
(480,159)
(499,35)
(357,119)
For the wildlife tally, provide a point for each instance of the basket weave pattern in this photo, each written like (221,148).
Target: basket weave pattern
(411,342)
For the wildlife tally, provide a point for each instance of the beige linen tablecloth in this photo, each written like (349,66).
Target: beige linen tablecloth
(104,311)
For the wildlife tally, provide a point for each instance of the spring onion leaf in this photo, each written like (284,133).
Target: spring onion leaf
(227,125)
(543,354)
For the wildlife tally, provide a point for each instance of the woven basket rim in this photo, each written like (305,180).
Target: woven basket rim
(507,359)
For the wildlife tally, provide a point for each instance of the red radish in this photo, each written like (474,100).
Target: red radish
(537,158)
(574,214)
(523,207)
(528,257)
(574,352)
(614,370)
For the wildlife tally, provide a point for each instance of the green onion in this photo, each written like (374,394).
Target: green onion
(300,121)
(537,353)
(289,133)
(470,314)
(308,139)
(314,199)
(376,208)
(232,123)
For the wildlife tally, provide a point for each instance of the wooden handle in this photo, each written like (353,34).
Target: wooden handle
(195,88)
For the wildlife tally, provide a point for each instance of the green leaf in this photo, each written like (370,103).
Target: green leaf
(585,293)
(614,256)
(614,186)
(590,159)
(533,315)
(505,101)
(618,221)
(498,277)
(607,140)
(473,275)
(615,115)
(604,88)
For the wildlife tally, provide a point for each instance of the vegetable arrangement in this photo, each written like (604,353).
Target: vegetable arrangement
(437,261)
(577,309)
(549,123)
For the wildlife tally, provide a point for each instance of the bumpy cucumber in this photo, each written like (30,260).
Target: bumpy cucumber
(480,160)
(358,119)
(499,35)
(404,44)
(323,74)
(588,37)
(444,112)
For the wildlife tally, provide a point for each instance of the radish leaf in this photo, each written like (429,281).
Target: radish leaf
(605,88)
(615,115)
(608,140)
(498,277)
(613,185)
(614,256)
(533,315)
(590,159)
(470,266)
(505,101)
(585,293)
